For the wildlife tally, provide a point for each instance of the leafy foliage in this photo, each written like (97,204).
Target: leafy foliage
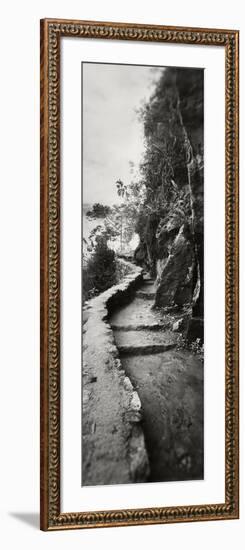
(119,220)
(196,346)
(163,171)
(99,274)
(98,211)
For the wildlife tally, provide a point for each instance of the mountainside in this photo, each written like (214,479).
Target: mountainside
(170,223)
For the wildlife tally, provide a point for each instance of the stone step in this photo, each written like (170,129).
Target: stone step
(149,349)
(144,341)
(147,277)
(148,287)
(145,294)
(143,326)
(139,311)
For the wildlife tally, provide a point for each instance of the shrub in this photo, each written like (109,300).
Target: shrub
(100,271)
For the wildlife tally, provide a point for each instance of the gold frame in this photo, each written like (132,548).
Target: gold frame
(52,30)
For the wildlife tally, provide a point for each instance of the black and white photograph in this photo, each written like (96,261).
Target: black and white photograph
(142,274)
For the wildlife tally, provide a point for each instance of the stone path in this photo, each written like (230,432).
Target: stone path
(169,382)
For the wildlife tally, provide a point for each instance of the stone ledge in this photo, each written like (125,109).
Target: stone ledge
(114,447)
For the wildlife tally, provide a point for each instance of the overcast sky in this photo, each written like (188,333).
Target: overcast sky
(112,133)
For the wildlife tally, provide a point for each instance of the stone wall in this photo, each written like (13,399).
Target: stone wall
(113,446)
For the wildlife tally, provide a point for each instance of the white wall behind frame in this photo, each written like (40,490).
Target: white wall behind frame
(19,242)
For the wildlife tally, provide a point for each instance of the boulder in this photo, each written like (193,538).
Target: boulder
(175,279)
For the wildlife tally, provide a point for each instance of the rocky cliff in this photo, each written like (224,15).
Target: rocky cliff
(171,223)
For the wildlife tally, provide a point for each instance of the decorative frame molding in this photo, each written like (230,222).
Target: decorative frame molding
(52,31)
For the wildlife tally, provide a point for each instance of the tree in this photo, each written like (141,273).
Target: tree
(98,211)
(119,220)
(99,274)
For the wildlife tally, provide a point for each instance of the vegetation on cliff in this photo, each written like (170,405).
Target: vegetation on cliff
(99,273)
(163,204)
(170,221)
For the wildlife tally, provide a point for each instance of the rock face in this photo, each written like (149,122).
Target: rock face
(192,112)
(175,274)
(173,243)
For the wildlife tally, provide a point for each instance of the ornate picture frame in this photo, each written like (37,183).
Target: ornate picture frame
(52,33)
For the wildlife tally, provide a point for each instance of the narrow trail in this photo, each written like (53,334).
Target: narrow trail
(170,385)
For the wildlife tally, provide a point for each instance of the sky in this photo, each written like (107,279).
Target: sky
(112,133)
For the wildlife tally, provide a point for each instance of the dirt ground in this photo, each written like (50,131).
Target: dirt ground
(170,386)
